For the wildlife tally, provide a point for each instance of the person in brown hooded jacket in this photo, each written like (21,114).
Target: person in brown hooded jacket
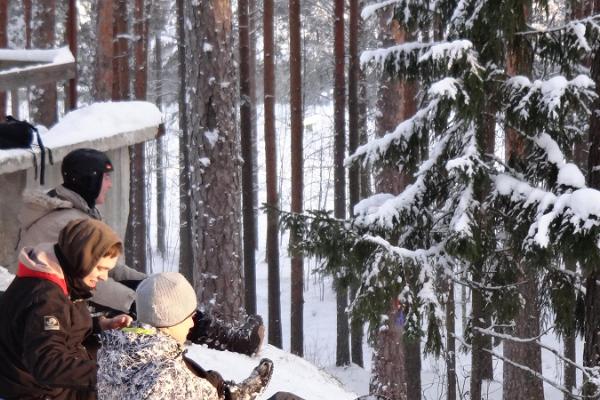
(44,319)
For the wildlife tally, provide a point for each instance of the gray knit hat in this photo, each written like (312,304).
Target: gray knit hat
(165,299)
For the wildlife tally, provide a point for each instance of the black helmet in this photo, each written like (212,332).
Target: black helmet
(83,170)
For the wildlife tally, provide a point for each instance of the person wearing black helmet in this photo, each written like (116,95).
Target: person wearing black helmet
(86,182)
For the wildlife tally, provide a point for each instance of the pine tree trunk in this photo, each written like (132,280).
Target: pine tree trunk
(356,327)
(121,84)
(272,245)
(249,219)
(450,343)
(27,6)
(389,369)
(186,258)
(518,384)
(43,105)
(399,360)
(591,350)
(161,220)
(297,313)
(103,74)
(214,157)
(339,101)
(135,235)
(252,22)
(3,44)
(71,39)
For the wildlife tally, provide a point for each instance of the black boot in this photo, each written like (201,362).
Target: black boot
(252,386)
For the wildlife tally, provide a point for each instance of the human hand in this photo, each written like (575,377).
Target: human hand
(120,321)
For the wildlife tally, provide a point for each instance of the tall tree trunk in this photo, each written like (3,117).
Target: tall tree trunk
(569,343)
(591,351)
(27,9)
(44,109)
(103,74)
(356,327)
(161,219)
(135,235)
(3,44)
(339,101)
(71,39)
(394,359)
(297,301)
(248,185)
(450,343)
(214,156)
(253,107)
(272,245)
(518,384)
(121,85)
(186,258)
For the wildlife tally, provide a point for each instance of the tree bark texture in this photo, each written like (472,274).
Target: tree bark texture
(388,372)
(450,343)
(161,219)
(254,114)
(297,300)
(3,44)
(518,384)
(272,245)
(135,236)
(356,325)
(339,101)
(248,185)
(214,157)
(121,85)
(591,351)
(44,108)
(390,358)
(71,39)
(103,74)
(186,258)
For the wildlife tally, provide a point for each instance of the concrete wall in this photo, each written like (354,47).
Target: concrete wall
(12,185)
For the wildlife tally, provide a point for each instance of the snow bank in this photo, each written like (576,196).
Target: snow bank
(5,278)
(291,374)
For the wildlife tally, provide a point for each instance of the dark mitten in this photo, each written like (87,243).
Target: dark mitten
(254,385)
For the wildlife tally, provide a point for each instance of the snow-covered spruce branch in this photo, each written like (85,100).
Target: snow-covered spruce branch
(375,149)
(594,20)
(416,54)
(369,10)
(414,255)
(548,95)
(522,367)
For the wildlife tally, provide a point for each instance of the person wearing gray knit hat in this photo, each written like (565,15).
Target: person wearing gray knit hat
(165,300)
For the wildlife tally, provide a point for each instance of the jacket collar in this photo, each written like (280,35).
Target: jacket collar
(41,263)
(77,201)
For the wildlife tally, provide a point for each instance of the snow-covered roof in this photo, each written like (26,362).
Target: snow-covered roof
(22,68)
(102,126)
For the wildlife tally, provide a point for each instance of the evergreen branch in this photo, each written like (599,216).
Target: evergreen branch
(522,367)
(591,19)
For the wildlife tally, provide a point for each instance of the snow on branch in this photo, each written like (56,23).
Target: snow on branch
(581,30)
(569,174)
(368,11)
(415,54)
(374,150)
(547,95)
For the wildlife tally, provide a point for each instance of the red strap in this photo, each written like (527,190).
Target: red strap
(24,272)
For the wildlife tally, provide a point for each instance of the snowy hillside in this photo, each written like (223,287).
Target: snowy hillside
(291,373)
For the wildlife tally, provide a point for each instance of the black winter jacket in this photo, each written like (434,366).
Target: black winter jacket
(41,334)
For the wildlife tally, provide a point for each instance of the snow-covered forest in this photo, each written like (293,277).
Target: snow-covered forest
(408,191)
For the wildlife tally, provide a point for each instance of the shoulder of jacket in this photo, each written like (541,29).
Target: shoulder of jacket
(41,199)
